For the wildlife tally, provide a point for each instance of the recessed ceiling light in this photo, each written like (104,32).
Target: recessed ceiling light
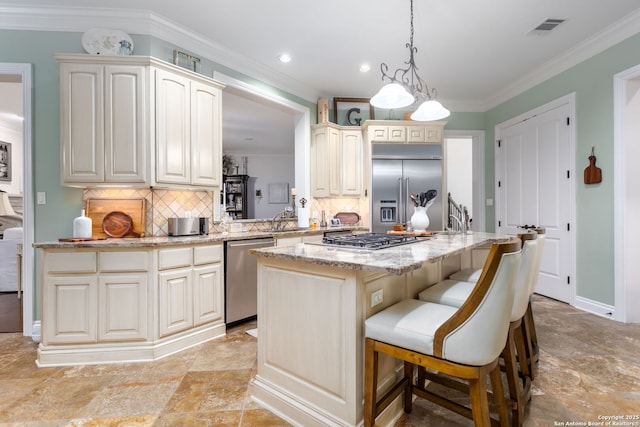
(365,68)
(284,57)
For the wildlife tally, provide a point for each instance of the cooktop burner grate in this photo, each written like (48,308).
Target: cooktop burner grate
(368,240)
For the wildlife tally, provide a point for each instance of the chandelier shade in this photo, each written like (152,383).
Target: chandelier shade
(392,95)
(406,87)
(430,110)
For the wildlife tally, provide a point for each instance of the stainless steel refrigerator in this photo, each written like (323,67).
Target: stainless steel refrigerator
(399,170)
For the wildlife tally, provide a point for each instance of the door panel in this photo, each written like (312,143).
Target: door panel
(532,165)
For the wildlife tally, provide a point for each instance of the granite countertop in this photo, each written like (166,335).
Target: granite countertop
(133,242)
(395,260)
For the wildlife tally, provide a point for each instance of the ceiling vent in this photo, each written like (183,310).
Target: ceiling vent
(546,26)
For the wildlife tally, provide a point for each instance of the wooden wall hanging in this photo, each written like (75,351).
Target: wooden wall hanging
(592,174)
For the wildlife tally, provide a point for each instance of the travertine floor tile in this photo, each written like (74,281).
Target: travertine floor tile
(589,366)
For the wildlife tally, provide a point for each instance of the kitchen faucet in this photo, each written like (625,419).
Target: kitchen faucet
(462,224)
(279,226)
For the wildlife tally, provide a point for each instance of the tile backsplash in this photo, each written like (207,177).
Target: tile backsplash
(163,204)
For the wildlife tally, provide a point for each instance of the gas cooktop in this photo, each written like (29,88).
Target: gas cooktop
(370,241)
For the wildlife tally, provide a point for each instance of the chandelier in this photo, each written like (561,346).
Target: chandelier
(406,87)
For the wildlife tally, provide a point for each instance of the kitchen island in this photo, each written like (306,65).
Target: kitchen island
(136,299)
(312,303)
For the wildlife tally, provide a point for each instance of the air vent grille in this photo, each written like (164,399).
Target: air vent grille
(546,26)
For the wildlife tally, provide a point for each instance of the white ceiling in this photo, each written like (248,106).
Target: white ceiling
(476,53)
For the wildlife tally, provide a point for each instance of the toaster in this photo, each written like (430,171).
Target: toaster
(188,226)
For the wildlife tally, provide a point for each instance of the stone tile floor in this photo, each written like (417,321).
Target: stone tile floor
(590,367)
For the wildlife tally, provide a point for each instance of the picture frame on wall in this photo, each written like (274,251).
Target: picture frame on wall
(279,192)
(5,161)
(184,60)
(352,111)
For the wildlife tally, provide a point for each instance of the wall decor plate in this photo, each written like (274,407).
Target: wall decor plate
(101,41)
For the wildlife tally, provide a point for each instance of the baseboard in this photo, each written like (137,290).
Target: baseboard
(595,307)
(125,352)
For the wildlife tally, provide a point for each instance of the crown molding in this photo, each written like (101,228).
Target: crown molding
(145,22)
(599,42)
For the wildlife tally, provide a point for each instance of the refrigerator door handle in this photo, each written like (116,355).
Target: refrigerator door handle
(406,200)
(401,214)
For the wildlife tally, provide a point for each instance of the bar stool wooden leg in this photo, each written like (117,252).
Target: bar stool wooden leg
(370,383)
(498,396)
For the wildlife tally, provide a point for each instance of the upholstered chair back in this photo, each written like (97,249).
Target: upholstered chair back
(526,274)
(477,332)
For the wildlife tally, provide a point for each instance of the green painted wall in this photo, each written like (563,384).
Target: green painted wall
(592,82)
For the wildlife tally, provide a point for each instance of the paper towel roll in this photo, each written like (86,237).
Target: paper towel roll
(303,217)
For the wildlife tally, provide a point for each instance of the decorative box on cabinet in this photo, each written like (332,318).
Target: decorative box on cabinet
(136,120)
(337,161)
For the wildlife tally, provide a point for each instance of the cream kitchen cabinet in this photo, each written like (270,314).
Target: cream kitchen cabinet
(136,120)
(190,287)
(400,131)
(104,114)
(95,296)
(105,305)
(188,130)
(337,161)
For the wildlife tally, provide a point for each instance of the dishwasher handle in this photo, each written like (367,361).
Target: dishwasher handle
(252,242)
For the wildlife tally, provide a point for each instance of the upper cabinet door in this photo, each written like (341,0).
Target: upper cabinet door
(126,134)
(173,128)
(206,135)
(352,159)
(82,122)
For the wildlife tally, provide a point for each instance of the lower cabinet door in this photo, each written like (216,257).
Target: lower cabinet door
(175,301)
(70,310)
(123,307)
(208,305)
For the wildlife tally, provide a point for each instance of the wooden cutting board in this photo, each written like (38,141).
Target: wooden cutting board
(97,209)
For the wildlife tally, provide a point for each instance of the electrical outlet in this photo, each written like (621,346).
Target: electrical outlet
(377,297)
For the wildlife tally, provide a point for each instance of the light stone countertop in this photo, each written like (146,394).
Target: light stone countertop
(149,242)
(395,260)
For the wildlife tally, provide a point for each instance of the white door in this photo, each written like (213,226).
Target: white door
(534,180)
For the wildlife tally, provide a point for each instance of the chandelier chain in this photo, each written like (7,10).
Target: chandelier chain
(408,77)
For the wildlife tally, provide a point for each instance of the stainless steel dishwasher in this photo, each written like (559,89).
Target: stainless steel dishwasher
(241,274)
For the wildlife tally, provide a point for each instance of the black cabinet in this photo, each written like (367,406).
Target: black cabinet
(235,187)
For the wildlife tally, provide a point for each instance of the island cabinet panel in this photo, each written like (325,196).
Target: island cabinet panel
(308,317)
